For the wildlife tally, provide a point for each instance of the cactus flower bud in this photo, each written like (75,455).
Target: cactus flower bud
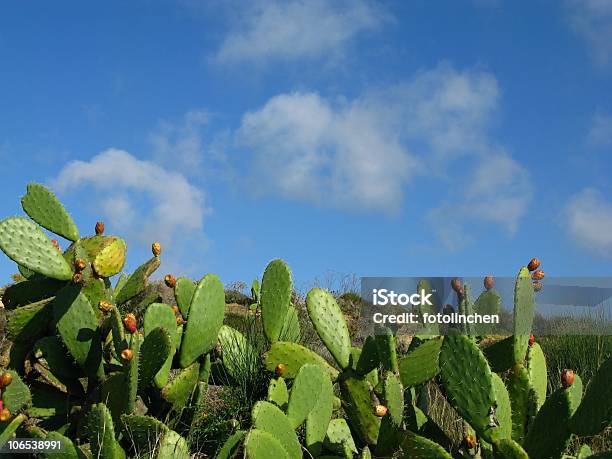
(537,286)
(77,278)
(80,264)
(56,244)
(99,228)
(105,306)
(280,369)
(175,309)
(156,249)
(130,322)
(170,280)
(127,354)
(534,264)
(456,285)
(538,275)
(470,441)
(180,320)
(489,282)
(5,379)
(380,410)
(531,340)
(567,378)
(5,415)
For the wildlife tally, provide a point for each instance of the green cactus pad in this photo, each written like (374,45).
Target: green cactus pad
(339,439)
(137,281)
(434,308)
(269,418)
(293,356)
(16,396)
(524,310)
(118,331)
(101,433)
(150,436)
(55,354)
(174,446)
(48,402)
(179,390)
(291,330)
(259,444)
(359,409)
(523,401)
(276,290)
(30,291)
(45,209)
(595,411)
(159,315)
(231,445)
(368,358)
(68,450)
(506,448)
(277,393)
(330,325)
(500,354)
(422,364)
(549,434)
(183,292)
(462,365)
(154,352)
(585,451)
(11,428)
(414,446)
(78,327)
(111,259)
(319,417)
(205,319)
(488,303)
(394,397)
(26,244)
(503,410)
(536,368)
(131,372)
(387,354)
(234,346)
(27,322)
(302,400)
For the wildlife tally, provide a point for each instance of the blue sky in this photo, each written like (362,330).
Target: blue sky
(375,138)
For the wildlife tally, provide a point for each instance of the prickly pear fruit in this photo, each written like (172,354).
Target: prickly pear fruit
(380,410)
(280,369)
(489,282)
(567,378)
(534,264)
(5,379)
(456,285)
(537,286)
(5,415)
(99,228)
(77,278)
(175,309)
(180,320)
(469,441)
(170,280)
(105,306)
(56,244)
(531,340)
(127,354)
(156,249)
(130,322)
(79,264)
(538,275)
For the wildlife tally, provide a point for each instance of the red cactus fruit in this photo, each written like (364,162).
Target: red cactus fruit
(531,340)
(99,228)
(156,249)
(489,282)
(170,280)
(5,415)
(380,410)
(538,275)
(534,264)
(56,244)
(5,379)
(567,378)
(127,354)
(456,285)
(280,369)
(130,322)
(180,320)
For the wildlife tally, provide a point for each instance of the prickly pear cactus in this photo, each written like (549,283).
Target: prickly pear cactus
(275,300)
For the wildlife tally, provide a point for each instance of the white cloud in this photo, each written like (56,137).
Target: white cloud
(271,29)
(592,19)
(360,154)
(588,220)
(137,196)
(600,134)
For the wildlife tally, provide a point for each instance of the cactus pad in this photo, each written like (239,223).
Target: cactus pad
(293,356)
(507,448)
(422,364)
(271,419)
(16,396)
(536,368)
(414,445)
(259,444)
(339,439)
(183,292)
(179,390)
(275,298)
(137,281)
(159,315)
(319,417)
(330,325)
(205,319)
(524,310)
(503,409)
(45,209)
(595,411)
(387,354)
(277,393)
(302,399)
(101,434)
(359,408)
(25,243)
(110,260)
(154,352)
